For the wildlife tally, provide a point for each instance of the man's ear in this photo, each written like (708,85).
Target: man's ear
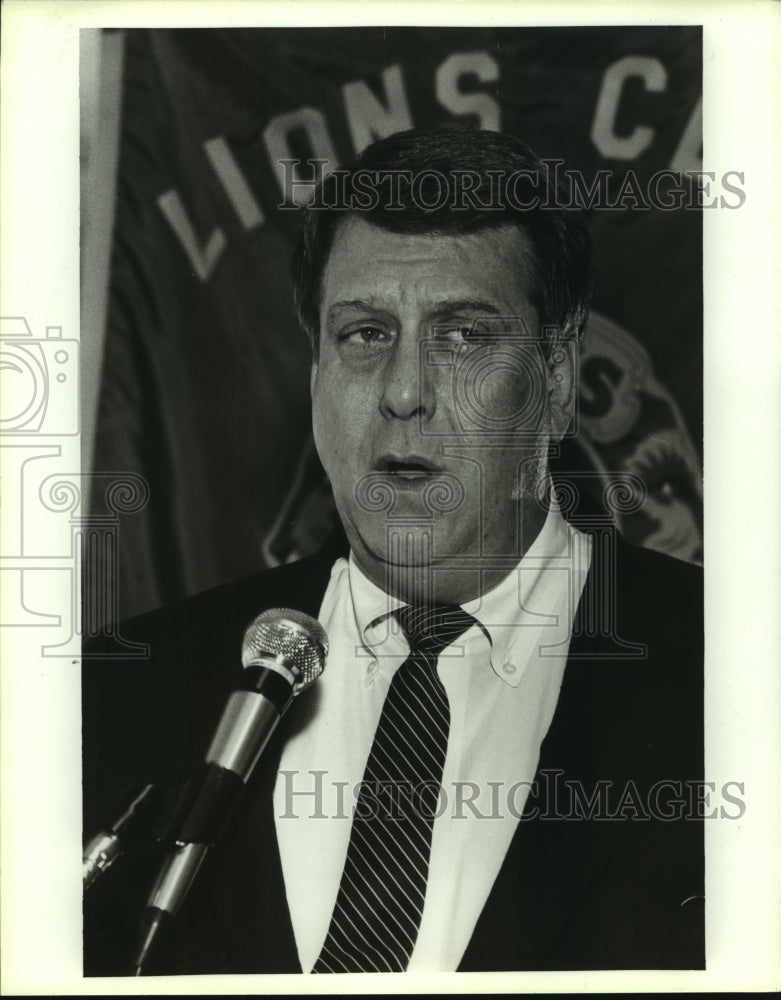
(562,386)
(312,376)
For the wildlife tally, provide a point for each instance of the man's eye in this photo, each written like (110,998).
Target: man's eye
(459,332)
(465,333)
(365,335)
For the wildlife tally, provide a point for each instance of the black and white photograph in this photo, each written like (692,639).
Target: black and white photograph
(373,456)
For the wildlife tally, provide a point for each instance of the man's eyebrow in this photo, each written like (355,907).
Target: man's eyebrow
(444,307)
(449,306)
(362,305)
(355,304)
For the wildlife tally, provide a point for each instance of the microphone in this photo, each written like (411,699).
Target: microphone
(138,810)
(283,653)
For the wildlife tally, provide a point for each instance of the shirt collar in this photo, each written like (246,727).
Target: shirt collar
(501,613)
(371,605)
(510,613)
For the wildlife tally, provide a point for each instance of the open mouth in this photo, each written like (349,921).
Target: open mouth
(407,468)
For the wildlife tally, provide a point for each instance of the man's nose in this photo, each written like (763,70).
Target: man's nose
(407,389)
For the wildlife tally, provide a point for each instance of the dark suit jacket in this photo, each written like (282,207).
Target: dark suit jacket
(621,888)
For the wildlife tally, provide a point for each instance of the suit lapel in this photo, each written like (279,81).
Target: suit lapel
(543,873)
(624,713)
(552,861)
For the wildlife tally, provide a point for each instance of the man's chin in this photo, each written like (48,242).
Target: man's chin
(401,562)
(401,544)
(397,554)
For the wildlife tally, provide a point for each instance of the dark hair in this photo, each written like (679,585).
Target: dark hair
(453,180)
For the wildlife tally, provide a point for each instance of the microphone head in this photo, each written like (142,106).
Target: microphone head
(288,641)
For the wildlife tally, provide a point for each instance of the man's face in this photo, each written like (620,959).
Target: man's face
(433,406)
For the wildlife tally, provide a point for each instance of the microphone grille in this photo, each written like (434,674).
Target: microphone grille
(294,640)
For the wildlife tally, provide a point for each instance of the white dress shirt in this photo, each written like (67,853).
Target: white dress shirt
(502,679)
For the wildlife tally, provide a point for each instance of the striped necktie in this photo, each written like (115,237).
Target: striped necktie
(379,905)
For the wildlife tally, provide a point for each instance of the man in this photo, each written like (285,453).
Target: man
(491,772)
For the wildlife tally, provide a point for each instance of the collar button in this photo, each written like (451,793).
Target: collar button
(509,668)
